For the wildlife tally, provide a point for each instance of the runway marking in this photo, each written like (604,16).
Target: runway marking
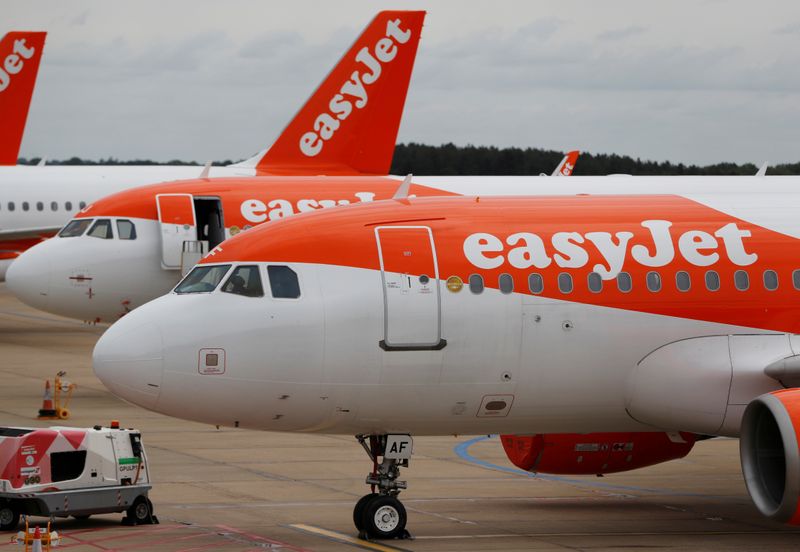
(462,451)
(344,539)
(259,539)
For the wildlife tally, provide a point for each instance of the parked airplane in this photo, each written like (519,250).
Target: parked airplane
(131,247)
(348,126)
(562,314)
(20,54)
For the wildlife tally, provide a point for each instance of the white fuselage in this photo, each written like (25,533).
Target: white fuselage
(314,364)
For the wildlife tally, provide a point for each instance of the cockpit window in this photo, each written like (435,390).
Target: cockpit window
(245,280)
(126,230)
(283,281)
(75,228)
(202,279)
(101,229)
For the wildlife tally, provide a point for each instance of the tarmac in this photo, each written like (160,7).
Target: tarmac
(229,489)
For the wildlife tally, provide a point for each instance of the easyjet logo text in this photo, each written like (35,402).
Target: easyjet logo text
(353,93)
(256,211)
(572,249)
(14,62)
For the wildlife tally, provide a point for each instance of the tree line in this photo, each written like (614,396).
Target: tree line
(449,159)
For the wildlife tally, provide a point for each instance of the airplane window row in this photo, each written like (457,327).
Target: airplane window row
(40,206)
(624,282)
(244,280)
(102,229)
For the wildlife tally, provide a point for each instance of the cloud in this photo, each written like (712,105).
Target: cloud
(619,34)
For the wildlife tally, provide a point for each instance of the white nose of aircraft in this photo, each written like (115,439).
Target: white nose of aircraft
(128,359)
(28,277)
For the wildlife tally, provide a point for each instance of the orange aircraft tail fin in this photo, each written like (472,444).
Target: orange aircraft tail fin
(20,53)
(567,164)
(350,123)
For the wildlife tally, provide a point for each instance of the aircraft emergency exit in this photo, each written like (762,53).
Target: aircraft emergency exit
(641,321)
(355,114)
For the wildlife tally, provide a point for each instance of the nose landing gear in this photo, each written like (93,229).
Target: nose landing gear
(380,515)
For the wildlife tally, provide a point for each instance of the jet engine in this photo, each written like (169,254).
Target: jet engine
(768,447)
(594,453)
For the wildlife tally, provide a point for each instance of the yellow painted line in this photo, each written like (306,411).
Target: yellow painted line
(341,537)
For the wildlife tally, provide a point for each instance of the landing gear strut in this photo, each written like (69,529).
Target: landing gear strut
(380,515)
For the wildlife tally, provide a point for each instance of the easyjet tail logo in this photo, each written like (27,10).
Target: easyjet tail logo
(14,63)
(353,93)
(570,249)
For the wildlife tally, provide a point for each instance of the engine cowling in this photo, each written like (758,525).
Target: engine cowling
(594,453)
(768,448)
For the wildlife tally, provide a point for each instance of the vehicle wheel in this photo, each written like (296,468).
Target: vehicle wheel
(140,511)
(384,517)
(9,517)
(358,511)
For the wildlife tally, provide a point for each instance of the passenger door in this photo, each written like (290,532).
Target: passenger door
(410,277)
(178,225)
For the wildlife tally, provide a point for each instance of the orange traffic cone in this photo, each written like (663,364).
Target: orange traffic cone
(36,545)
(48,410)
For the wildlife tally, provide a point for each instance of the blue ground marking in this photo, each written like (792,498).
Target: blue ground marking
(462,450)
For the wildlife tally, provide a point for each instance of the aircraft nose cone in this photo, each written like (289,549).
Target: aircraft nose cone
(28,278)
(128,359)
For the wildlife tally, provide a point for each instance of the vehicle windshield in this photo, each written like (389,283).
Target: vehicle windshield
(75,228)
(202,279)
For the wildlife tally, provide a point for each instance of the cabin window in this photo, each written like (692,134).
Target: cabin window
(506,283)
(283,281)
(54,206)
(535,283)
(595,282)
(68,206)
(683,281)
(82,205)
(11,206)
(245,280)
(101,229)
(653,281)
(202,279)
(39,206)
(126,230)
(26,206)
(741,280)
(796,279)
(476,284)
(565,283)
(712,280)
(624,282)
(67,465)
(75,228)
(770,280)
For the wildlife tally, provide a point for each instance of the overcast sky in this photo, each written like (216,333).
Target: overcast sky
(697,81)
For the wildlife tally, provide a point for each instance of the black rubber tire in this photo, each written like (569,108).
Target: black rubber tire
(9,517)
(140,511)
(358,511)
(384,517)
